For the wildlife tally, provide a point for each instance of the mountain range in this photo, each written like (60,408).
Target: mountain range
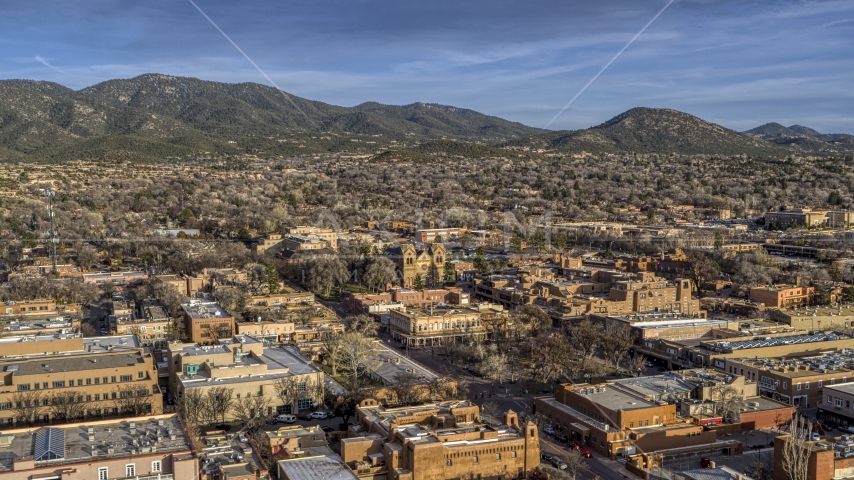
(154,116)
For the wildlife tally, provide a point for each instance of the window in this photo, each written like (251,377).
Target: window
(448,462)
(304,403)
(127,378)
(513,454)
(59,384)
(807,385)
(301,387)
(102,473)
(829,399)
(97,381)
(112,379)
(799,386)
(498,456)
(838,402)
(832,381)
(140,374)
(130,470)
(23,387)
(819,383)
(6,406)
(474,459)
(155,467)
(631,424)
(88,381)
(785,385)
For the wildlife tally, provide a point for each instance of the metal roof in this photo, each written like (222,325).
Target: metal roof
(49,444)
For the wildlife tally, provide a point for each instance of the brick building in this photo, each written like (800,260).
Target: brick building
(205,321)
(444,440)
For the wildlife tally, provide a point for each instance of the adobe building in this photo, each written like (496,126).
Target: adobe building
(814,318)
(154,447)
(782,296)
(439,440)
(244,365)
(206,320)
(96,376)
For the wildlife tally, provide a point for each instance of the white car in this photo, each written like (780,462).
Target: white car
(815,436)
(847,429)
(286,418)
(549,430)
(318,415)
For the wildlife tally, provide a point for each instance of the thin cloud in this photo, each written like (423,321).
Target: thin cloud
(44,62)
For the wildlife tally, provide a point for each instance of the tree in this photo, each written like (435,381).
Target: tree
(849,295)
(193,406)
(575,463)
(333,351)
(797,449)
(550,357)
(494,365)
(256,275)
(617,340)
(379,272)
(250,410)
(728,402)
(490,412)
(232,299)
(359,356)
(719,241)
(586,338)
(325,272)
(406,387)
(439,239)
(536,319)
(363,324)
(272,279)
(417,282)
(480,264)
(67,406)
(27,406)
(220,400)
(293,389)
(637,363)
(450,273)
(133,400)
(701,269)
(86,257)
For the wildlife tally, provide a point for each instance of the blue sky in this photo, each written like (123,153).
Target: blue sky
(733,62)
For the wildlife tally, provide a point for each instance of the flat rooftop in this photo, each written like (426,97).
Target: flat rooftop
(71,442)
(613,398)
(330,467)
(395,364)
(657,386)
(197,309)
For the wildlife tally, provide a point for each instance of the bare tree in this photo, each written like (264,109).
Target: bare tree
(133,400)
(536,319)
(27,406)
(550,357)
(616,342)
(359,355)
(250,410)
(637,363)
(86,257)
(728,402)
(193,406)
(379,272)
(490,412)
(586,339)
(67,406)
(797,449)
(575,463)
(364,324)
(220,400)
(407,388)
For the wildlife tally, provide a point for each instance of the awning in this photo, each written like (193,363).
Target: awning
(579,428)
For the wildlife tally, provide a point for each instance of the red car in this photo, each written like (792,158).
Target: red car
(574,446)
(586,453)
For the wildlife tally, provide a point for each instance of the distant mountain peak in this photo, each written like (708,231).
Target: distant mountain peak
(805,131)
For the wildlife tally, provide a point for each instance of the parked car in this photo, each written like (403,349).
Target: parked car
(847,429)
(558,463)
(329,413)
(649,364)
(827,427)
(662,369)
(546,456)
(318,415)
(224,427)
(705,462)
(327,428)
(163,390)
(549,430)
(586,453)
(574,446)
(560,437)
(815,436)
(286,418)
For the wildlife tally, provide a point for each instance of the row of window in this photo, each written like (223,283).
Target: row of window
(143,392)
(23,387)
(130,470)
(838,401)
(475,458)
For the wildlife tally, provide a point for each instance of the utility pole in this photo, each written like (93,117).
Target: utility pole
(49,193)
